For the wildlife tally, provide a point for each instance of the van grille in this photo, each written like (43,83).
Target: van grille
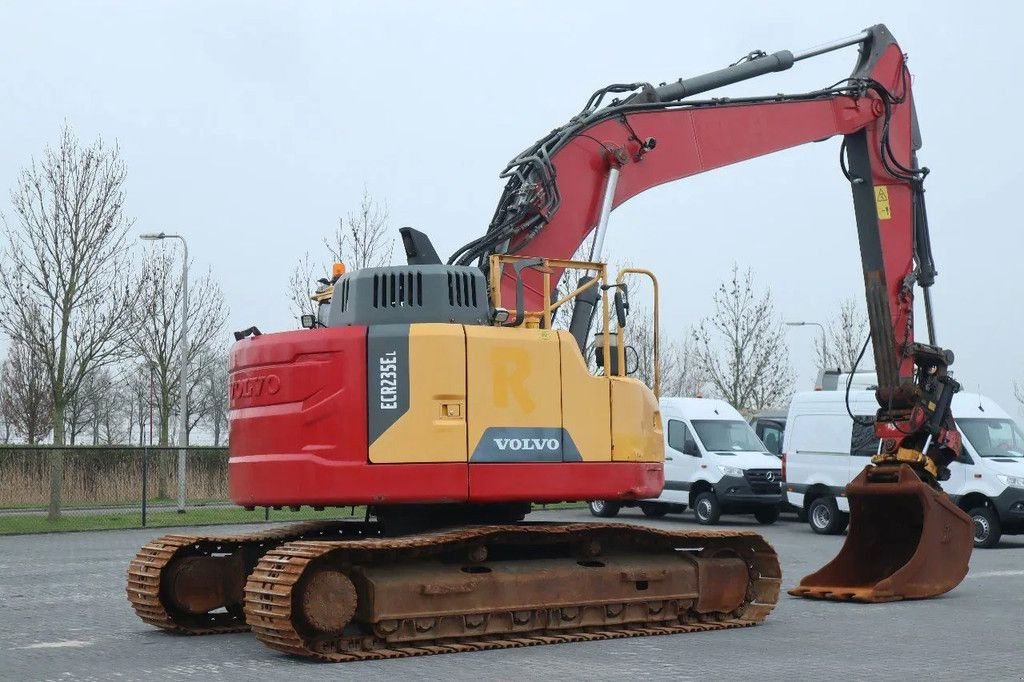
(764,481)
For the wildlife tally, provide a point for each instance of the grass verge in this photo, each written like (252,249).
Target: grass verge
(18,524)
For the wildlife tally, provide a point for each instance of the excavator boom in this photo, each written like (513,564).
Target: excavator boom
(564,187)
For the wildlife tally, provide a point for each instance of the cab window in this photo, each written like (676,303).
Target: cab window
(864,442)
(681,439)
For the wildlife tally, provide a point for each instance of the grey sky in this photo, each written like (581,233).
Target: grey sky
(250,127)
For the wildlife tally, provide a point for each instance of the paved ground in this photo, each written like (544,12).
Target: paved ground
(63,616)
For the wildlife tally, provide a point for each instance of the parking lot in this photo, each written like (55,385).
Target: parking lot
(64,616)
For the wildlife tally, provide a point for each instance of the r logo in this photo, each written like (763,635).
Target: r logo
(510,368)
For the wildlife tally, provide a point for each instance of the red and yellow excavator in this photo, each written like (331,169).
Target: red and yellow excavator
(442,396)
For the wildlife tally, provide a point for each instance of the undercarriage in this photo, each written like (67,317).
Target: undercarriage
(345,591)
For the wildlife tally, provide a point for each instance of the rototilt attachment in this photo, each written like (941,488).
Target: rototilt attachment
(907,540)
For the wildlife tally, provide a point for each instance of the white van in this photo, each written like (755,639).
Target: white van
(824,450)
(714,463)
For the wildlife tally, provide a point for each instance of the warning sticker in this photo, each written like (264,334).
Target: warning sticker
(882,203)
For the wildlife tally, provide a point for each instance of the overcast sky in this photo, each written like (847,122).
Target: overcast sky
(251,127)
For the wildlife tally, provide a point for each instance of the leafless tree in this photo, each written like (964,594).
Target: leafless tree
(680,374)
(1018,393)
(301,284)
(26,402)
(844,338)
(741,347)
(63,273)
(108,403)
(214,387)
(136,391)
(362,239)
(156,336)
(78,412)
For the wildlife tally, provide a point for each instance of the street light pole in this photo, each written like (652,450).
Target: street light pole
(183,376)
(819,326)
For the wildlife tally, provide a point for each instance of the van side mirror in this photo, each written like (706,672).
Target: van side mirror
(690,448)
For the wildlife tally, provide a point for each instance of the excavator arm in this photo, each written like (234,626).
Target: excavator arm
(564,187)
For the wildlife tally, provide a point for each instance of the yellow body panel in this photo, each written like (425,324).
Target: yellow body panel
(509,394)
(586,410)
(513,379)
(636,422)
(433,429)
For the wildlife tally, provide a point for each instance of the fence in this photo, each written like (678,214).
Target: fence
(120,487)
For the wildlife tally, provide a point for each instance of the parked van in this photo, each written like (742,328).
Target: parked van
(714,464)
(770,425)
(824,450)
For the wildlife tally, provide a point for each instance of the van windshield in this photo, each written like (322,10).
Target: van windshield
(721,435)
(993,437)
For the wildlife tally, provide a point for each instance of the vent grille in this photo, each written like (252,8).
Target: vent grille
(344,295)
(462,291)
(397,290)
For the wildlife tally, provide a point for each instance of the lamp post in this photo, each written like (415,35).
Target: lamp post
(182,379)
(815,324)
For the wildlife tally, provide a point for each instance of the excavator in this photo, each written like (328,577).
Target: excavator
(446,397)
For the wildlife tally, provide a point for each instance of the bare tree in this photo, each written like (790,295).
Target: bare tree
(361,240)
(741,347)
(156,336)
(77,414)
(63,273)
(136,391)
(26,402)
(107,400)
(301,284)
(844,337)
(1018,393)
(215,390)
(681,374)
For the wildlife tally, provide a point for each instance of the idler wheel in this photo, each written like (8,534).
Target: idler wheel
(328,601)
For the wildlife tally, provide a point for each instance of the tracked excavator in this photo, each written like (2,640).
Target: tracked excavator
(445,398)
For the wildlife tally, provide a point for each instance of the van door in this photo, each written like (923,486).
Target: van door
(821,454)
(682,460)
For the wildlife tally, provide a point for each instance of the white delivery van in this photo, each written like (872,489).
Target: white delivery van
(714,464)
(824,449)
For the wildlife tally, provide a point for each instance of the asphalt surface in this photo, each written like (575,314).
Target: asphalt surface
(64,616)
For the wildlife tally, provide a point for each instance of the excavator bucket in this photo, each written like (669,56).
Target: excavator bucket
(907,540)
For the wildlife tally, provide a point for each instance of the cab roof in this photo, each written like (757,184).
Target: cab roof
(699,408)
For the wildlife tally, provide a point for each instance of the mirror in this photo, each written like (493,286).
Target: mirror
(621,308)
(690,448)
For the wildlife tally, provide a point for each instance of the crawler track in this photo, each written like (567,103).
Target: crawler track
(432,593)
(149,592)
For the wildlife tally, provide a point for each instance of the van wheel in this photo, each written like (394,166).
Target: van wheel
(706,509)
(653,510)
(987,529)
(825,518)
(603,508)
(767,515)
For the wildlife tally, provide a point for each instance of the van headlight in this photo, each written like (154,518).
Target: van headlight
(1012,481)
(730,471)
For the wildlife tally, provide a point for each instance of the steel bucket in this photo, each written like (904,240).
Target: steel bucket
(907,540)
